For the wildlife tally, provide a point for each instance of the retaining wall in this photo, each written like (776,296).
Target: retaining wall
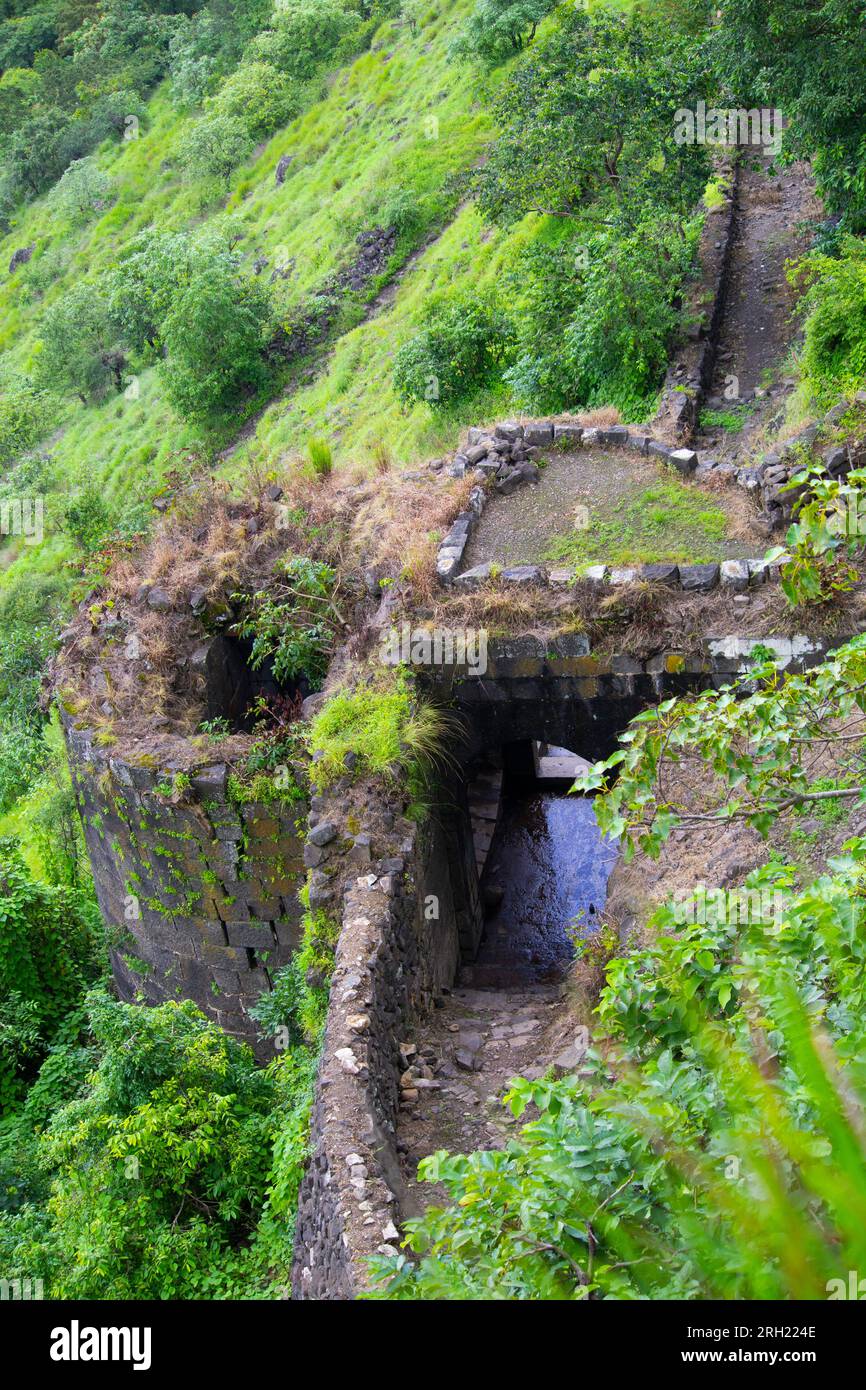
(199,895)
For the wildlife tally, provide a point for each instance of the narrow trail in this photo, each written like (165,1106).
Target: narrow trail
(757,327)
(467,1054)
(499,1022)
(326,348)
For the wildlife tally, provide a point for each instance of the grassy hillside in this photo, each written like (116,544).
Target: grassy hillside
(396,123)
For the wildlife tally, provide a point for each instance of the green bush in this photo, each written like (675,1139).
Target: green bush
(377,728)
(83,190)
(216,144)
(78,352)
(174,1174)
(25,417)
(833,359)
(86,517)
(460,350)
(51,950)
(260,97)
(304,35)
(213,335)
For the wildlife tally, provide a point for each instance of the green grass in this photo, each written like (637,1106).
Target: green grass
(377,727)
(402,119)
(668,522)
(731,420)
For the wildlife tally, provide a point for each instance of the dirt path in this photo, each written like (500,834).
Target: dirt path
(757,328)
(464,1055)
(465,1058)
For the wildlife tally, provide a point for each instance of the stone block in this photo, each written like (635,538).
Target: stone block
(568,433)
(734,575)
(539,433)
(668,575)
(472,578)
(684,460)
(615,436)
(522,574)
(256,934)
(699,578)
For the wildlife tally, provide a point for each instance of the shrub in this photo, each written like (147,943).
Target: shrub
(258,96)
(291,623)
(86,517)
(305,34)
(213,335)
(833,360)
(460,350)
(215,146)
(51,949)
(25,417)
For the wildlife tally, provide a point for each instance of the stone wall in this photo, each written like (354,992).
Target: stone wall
(693,362)
(404,924)
(559,691)
(199,895)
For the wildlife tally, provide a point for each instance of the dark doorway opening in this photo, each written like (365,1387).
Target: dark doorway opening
(233,689)
(544,880)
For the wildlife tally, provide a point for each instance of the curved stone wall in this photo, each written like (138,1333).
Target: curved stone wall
(199,894)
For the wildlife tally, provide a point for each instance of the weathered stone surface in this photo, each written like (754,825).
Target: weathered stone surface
(479,574)
(734,575)
(448,561)
(522,574)
(568,433)
(189,865)
(323,833)
(539,433)
(20,257)
(615,436)
(159,599)
(685,460)
(668,575)
(700,578)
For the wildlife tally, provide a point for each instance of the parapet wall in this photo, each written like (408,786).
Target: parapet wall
(199,894)
(404,922)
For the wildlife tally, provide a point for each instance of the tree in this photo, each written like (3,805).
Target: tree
(805,57)
(83,189)
(214,146)
(587,120)
(77,351)
(497,29)
(304,35)
(259,96)
(213,336)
